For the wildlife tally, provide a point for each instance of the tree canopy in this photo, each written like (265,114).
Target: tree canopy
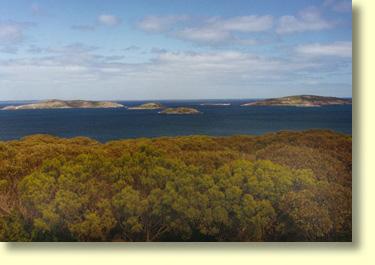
(285,186)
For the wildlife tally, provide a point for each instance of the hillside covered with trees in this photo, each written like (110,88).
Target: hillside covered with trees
(285,186)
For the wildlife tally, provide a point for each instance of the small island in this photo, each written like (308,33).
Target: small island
(301,101)
(66,104)
(180,111)
(147,106)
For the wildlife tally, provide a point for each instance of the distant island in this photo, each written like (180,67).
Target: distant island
(150,106)
(164,109)
(180,111)
(66,104)
(301,101)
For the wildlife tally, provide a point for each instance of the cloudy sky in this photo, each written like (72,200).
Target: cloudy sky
(174,49)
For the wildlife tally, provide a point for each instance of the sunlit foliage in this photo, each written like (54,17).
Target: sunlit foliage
(286,186)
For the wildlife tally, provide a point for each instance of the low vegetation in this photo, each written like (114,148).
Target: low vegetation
(149,106)
(301,101)
(285,186)
(180,111)
(66,104)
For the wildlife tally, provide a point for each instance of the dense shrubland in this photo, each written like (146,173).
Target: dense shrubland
(286,186)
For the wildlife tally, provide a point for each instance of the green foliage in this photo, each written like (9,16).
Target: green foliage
(13,228)
(307,219)
(94,225)
(287,186)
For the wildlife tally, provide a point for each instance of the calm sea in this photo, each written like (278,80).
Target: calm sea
(110,124)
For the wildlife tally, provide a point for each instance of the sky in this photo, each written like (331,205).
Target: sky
(174,49)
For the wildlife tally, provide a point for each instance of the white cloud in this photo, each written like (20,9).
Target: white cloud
(234,30)
(219,30)
(74,48)
(336,49)
(212,30)
(205,64)
(308,19)
(76,70)
(157,50)
(10,49)
(204,35)
(12,35)
(109,20)
(102,20)
(11,32)
(160,23)
(242,23)
(216,64)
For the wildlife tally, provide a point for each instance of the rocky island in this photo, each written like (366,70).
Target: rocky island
(66,104)
(301,101)
(180,111)
(147,106)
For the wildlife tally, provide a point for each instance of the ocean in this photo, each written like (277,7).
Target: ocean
(216,120)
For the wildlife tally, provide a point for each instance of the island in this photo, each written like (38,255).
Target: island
(150,105)
(301,101)
(180,111)
(66,104)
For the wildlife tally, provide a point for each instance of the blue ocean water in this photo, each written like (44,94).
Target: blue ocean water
(111,124)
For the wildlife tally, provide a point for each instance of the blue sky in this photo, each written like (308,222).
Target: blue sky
(174,49)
